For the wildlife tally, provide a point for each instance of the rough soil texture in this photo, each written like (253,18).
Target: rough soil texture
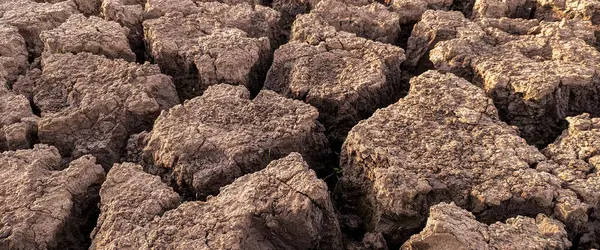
(451,147)
(345,77)
(538,73)
(577,154)
(128,13)
(283,206)
(90,104)
(210,140)
(13,53)
(32,18)
(548,10)
(218,43)
(287,8)
(87,7)
(370,241)
(42,207)
(18,125)
(157,8)
(450,227)
(373,21)
(215,120)
(410,11)
(94,35)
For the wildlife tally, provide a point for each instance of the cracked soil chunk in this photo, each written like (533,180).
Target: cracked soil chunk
(32,18)
(210,140)
(128,13)
(444,142)
(87,7)
(538,73)
(373,21)
(90,104)
(548,10)
(157,8)
(283,206)
(217,44)
(18,125)
(94,35)
(450,227)
(13,53)
(345,77)
(577,152)
(410,11)
(40,206)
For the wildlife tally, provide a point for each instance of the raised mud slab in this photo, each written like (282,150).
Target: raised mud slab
(299,124)
(215,43)
(444,142)
(42,207)
(537,73)
(90,104)
(211,140)
(283,206)
(451,227)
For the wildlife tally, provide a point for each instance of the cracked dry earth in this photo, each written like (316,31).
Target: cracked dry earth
(299,124)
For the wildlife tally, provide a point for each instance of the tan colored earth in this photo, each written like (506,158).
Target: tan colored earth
(299,124)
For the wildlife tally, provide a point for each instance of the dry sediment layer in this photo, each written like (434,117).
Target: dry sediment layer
(283,206)
(444,142)
(538,73)
(90,104)
(211,140)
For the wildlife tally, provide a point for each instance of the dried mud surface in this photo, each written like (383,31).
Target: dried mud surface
(299,124)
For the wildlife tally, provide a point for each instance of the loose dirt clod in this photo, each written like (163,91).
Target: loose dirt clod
(283,206)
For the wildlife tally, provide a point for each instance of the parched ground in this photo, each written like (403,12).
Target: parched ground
(283,206)
(452,148)
(299,124)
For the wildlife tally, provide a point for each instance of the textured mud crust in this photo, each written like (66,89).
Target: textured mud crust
(577,156)
(214,43)
(538,73)
(31,18)
(450,227)
(42,207)
(345,77)
(130,14)
(18,125)
(210,140)
(548,10)
(90,104)
(94,35)
(283,206)
(432,124)
(373,21)
(13,53)
(444,142)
